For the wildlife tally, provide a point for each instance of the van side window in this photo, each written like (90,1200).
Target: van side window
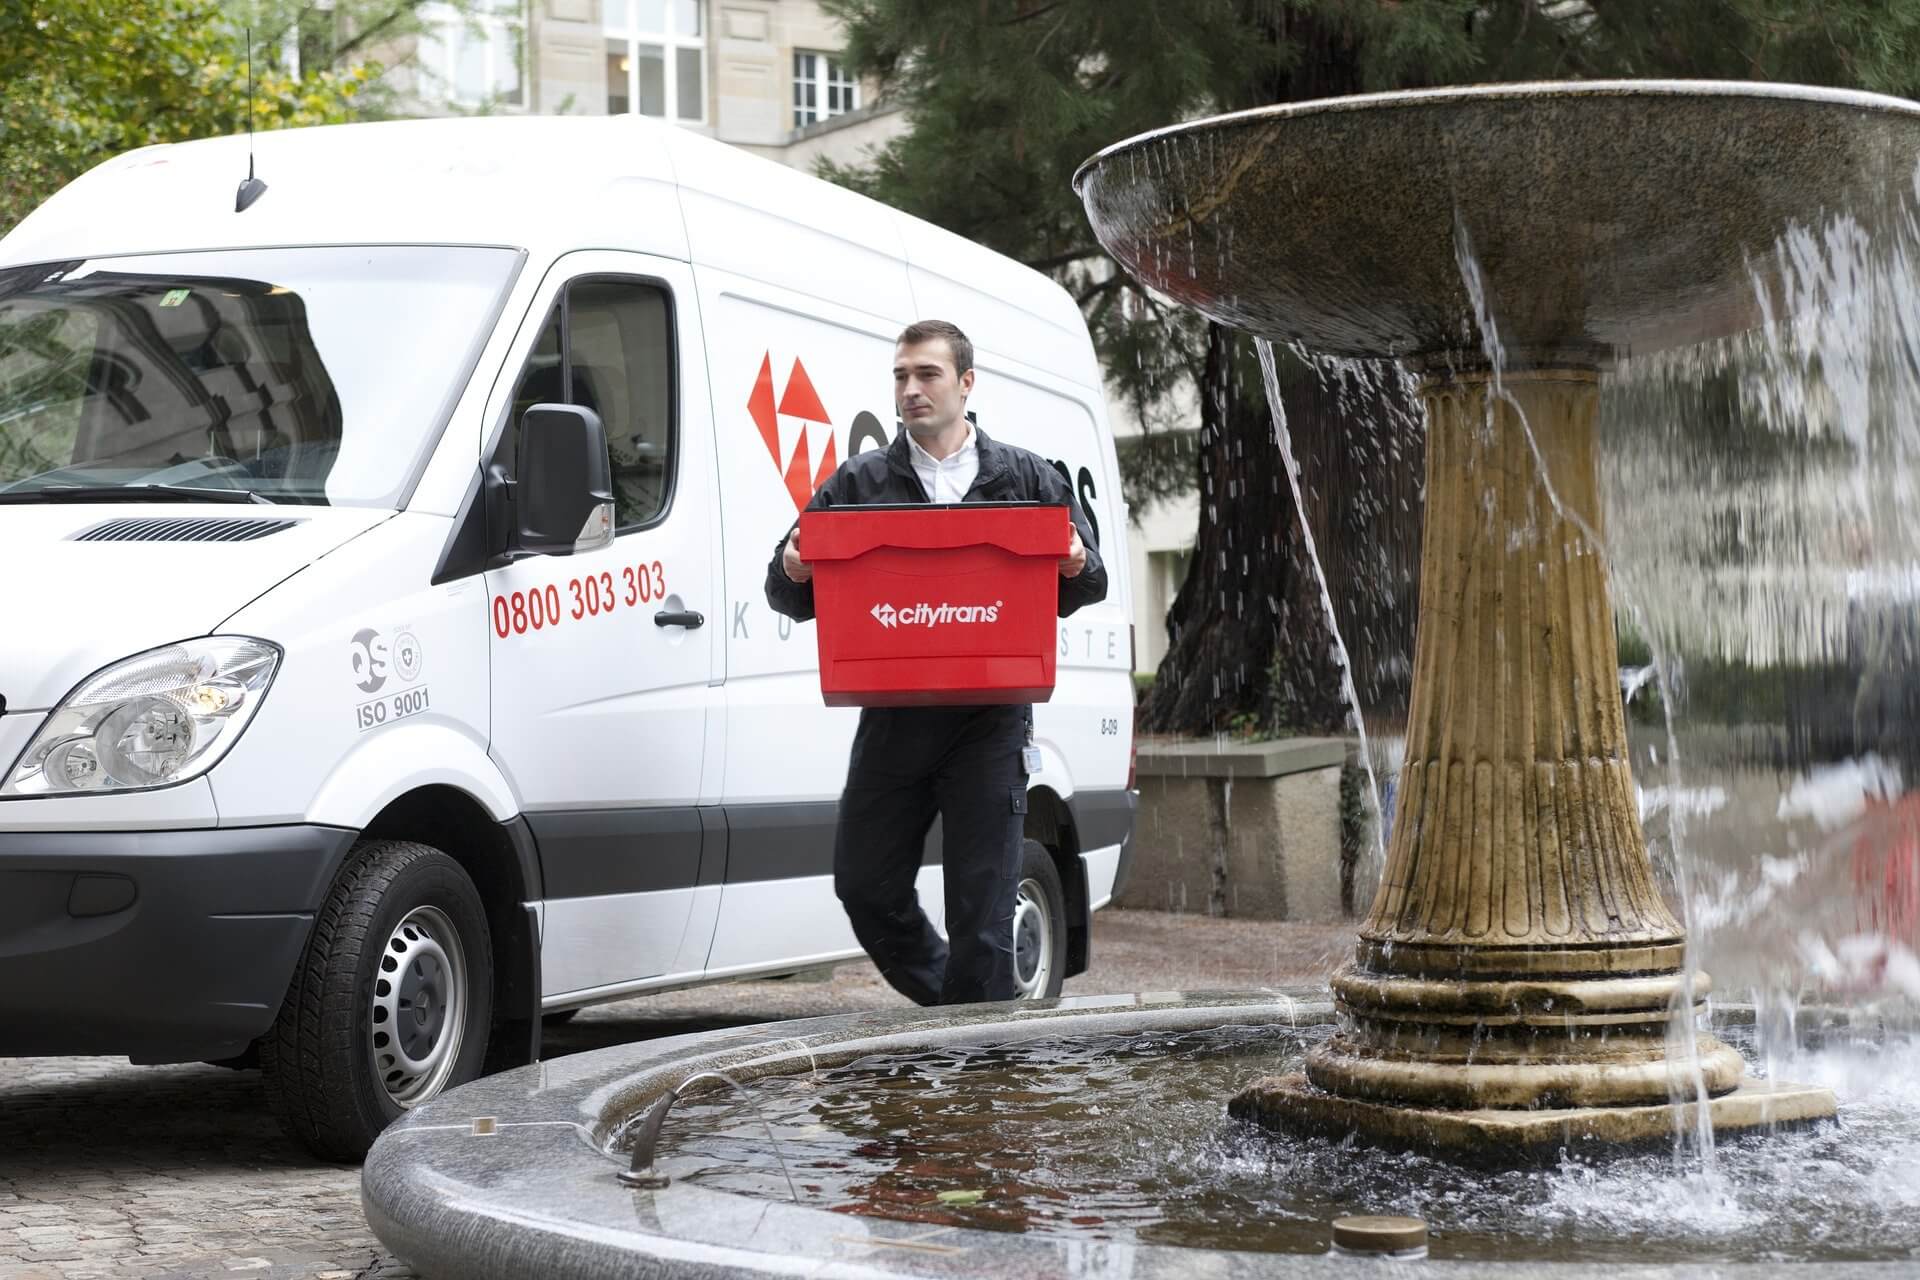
(614,355)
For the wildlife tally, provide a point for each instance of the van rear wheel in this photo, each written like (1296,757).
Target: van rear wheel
(390,1003)
(1039,926)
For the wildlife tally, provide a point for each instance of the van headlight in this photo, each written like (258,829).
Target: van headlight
(158,718)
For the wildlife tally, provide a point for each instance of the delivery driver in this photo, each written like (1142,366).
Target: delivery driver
(963,763)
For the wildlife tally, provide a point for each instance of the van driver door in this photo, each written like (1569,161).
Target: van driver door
(603,671)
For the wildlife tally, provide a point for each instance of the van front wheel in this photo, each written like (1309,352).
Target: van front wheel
(389,1004)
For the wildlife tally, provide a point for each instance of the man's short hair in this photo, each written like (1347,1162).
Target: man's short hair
(927,330)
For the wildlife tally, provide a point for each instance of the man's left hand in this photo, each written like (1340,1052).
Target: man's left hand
(1076,558)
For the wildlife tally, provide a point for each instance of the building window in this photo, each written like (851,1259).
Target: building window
(477,58)
(656,59)
(822,88)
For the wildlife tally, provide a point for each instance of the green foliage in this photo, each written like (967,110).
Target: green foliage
(1155,467)
(88,79)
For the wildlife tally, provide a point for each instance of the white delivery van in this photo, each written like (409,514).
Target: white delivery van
(345,719)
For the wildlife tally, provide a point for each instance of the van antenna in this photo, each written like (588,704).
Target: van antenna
(252,189)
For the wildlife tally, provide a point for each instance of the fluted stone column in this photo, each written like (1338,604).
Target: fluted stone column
(1519,961)
(1516,824)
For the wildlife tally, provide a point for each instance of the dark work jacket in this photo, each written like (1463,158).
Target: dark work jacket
(1007,474)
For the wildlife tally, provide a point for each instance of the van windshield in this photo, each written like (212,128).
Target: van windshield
(307,375)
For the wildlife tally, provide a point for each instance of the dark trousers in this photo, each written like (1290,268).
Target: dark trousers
(910,764)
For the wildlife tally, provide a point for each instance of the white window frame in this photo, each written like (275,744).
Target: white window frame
(496,30)
(671,40)
(818,69)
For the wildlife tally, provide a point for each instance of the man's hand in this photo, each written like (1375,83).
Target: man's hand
(1076,558)
(798,570)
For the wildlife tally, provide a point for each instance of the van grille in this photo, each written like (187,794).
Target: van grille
(183,529)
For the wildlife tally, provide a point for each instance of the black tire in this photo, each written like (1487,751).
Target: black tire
(1039,926)
(319,1056)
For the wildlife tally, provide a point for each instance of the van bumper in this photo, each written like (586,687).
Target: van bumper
(1102,819)
(166,946)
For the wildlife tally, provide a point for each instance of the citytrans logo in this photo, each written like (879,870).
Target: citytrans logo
(935,615)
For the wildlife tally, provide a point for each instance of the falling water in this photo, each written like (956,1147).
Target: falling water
(1341,657)
(1766,529)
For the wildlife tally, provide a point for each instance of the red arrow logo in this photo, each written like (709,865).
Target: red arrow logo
(801,401)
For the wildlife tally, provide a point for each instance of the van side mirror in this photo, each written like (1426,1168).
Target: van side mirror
(563,491)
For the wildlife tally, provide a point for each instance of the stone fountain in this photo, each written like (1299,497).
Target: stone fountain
(1515,979)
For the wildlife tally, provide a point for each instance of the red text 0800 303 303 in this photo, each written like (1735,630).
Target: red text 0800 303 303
(593,595)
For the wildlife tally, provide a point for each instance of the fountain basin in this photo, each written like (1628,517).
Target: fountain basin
(1605,216)
(539,1194)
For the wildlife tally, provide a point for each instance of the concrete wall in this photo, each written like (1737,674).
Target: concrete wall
(568,50)
(1251,830)
(750,55)
(848,139)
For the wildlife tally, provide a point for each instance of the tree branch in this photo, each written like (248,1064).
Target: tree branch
(1031,14)
(1066,259)
(367,34)
(1111,283)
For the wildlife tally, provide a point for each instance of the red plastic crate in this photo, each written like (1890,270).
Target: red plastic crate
(924,605)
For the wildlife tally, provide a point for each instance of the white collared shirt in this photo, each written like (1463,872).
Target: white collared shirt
(946,479)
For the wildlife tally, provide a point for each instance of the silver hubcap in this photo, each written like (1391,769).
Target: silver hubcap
(419,1006)
(1032,941)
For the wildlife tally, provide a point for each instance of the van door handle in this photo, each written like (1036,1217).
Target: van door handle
(679,618)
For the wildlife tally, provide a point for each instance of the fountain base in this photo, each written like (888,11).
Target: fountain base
(1500,1137)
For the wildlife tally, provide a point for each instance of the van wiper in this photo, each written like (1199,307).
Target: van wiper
(131,493)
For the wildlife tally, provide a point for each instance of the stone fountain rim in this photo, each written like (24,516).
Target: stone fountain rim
(539,1195)
(1410,99)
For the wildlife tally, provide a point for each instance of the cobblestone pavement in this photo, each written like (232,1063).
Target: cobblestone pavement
(113,1170)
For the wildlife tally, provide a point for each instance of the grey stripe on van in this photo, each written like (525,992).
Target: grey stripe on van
(586,853)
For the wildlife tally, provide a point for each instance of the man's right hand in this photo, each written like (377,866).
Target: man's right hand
(796,569)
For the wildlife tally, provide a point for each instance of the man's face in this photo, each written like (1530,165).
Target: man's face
(927,394)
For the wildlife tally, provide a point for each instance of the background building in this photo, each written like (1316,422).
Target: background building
(760,74)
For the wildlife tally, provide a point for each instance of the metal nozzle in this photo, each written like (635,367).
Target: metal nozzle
(643,1175)
(641,1172)
(1380,1235)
